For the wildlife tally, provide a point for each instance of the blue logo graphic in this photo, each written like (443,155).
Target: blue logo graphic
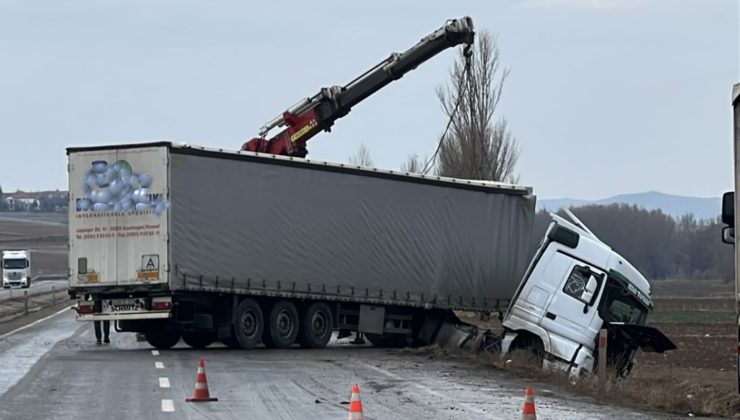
(117,188)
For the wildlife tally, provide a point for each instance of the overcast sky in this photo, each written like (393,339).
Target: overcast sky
(604,96)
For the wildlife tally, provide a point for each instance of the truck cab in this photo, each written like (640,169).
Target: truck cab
(16,268)
(575,286)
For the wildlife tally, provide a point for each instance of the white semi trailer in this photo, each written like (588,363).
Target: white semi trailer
(250,249)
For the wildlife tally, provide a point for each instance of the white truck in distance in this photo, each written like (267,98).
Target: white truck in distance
(16,268)
(249,249)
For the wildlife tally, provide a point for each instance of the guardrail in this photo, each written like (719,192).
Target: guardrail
(21,302)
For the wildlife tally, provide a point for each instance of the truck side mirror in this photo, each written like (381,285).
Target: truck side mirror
(728,209)
(728,235)
(589,292)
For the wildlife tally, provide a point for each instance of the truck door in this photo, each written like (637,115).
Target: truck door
(571,316)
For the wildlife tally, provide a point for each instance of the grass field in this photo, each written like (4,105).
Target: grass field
(691,317)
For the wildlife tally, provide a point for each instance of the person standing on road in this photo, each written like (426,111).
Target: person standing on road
(106,331)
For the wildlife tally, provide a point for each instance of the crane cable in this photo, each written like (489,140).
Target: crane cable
(468,53)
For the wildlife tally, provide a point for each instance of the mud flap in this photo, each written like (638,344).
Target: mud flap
(458,336)
(467,337)
(648,339)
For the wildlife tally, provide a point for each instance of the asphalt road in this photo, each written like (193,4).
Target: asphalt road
(53,369)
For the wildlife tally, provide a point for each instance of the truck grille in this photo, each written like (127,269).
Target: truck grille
(14,276)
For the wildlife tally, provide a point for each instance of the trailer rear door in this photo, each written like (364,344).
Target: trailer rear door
(118,216)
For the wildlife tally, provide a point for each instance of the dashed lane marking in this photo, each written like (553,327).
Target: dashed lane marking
(155,352)
(159,365)
(168,406)
(164,382)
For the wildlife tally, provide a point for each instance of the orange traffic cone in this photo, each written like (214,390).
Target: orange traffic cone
(201,385)
(528,411)
(355,405)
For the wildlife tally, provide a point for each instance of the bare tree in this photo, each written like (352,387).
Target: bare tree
(362,157)
(476,146)
(414,164)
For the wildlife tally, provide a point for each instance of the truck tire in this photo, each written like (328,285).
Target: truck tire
(161,337)
(198,340)
(249,324)
(531,348)
(316,326)
(282,330)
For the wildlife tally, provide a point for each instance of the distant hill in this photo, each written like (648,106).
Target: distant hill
(675,205)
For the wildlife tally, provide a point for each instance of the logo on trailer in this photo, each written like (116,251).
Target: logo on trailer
(117,188)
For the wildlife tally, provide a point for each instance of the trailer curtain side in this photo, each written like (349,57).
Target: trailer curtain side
(268,227)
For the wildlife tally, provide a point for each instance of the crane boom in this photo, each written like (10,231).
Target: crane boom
(319,112)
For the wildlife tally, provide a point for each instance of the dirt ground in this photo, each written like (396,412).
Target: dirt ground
(699,377)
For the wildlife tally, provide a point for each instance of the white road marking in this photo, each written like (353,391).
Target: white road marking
(155,352)
(164,382)
(168,406)
(159,365)
(38,321)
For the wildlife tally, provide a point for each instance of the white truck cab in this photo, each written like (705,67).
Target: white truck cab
(16,268)
(574,286)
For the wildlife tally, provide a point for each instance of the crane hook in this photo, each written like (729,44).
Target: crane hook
(468,51)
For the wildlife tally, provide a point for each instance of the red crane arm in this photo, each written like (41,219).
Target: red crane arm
(318,113)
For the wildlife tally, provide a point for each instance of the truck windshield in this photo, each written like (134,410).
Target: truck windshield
(619,305)
(14,264)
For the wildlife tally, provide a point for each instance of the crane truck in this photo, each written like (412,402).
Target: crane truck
(262,247)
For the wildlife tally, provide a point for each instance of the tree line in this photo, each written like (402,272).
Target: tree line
(658,245)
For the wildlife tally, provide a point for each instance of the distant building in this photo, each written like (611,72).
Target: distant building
(45,201)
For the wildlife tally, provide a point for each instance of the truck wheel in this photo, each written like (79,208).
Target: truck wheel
(198,340)
(282,330)
(249,324)
(316,326)
(531,348)
(161,337)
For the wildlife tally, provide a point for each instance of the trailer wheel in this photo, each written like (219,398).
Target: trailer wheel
(316,326)
(249,324)
(198,340)
(161,337)
(282,330)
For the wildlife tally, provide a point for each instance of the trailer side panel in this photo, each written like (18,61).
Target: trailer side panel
(305,231)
